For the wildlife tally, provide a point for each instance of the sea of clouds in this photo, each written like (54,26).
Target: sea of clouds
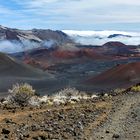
(101,37)
(82,37)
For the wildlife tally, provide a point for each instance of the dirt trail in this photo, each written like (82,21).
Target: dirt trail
(123,122)
(26,113)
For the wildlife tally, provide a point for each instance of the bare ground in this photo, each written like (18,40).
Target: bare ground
(106,118)
(123,122)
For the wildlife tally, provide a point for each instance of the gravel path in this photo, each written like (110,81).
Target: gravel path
(123,122)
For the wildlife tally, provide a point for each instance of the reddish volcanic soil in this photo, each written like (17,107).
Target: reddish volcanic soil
(44,58)
(121,76)
(114,44)
(64,54)
(86,52)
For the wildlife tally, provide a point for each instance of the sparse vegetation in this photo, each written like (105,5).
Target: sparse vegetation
(119,90)
(135,88)
(20,94)
(67,114)
(24,95)
(69,95)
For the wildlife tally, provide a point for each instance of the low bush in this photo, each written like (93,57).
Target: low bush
(69,95)
(24,95)
(20,94)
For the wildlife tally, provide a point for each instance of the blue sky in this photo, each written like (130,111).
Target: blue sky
(71,14)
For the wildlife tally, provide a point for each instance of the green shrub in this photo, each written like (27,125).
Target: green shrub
(20,94)
(135,88)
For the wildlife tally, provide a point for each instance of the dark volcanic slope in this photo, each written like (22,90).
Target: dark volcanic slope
(11,67)
(13,71)
(120,76)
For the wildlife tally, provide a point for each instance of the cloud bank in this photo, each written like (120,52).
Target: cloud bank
(83,37)
(7,46)
(101,37)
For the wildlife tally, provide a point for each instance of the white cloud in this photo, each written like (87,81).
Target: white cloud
(78,12)
(101,37)
(97,10)
(125,2)
(35,3)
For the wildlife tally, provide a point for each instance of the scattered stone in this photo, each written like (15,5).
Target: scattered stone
(7,120)
(116,136)
(13,111)
(30,116)
(134,115)
(35,127)
(107,131)
(105,95)
(5,131)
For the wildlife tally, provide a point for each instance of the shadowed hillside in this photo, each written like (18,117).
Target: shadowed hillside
(13,71)
(12,67)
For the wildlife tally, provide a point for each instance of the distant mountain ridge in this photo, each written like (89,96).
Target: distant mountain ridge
(118,35)
(19,40)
